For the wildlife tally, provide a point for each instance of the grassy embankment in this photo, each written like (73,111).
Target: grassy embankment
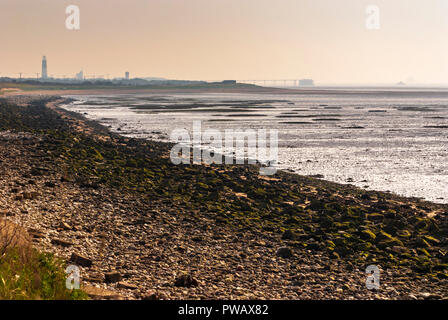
(26,273)
(33,275)
(352,225)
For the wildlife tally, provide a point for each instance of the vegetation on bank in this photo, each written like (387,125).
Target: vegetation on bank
(26,273)
(32,275)
(354,226)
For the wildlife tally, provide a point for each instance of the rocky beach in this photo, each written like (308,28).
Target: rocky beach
(140,227)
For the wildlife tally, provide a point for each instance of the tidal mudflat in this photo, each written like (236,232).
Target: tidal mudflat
(387,141)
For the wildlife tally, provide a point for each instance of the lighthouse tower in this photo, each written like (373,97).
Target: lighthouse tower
(44,68)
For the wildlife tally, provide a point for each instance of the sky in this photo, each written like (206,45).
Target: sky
(326,40)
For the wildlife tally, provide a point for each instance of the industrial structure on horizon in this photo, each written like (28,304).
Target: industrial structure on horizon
(80,76)
(126,80)
(287,83)
(306,83)
(44,68)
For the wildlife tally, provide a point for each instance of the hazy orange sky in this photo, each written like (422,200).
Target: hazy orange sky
(229,39)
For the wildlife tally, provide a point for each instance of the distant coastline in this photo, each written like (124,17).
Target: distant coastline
(18,88)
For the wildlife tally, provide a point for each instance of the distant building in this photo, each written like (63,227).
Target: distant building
(44,68)
(80,76)
(306,83)
(126,75)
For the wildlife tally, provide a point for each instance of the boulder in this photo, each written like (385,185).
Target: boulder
(284,252)
(186,280)
(112,277)
(288,235)
(81,260)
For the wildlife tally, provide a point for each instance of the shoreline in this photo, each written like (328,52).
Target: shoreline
(369,91)
(210,232)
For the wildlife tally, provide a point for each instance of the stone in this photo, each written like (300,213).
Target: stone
(313,245)
(197,239)
(284,252)
(81,260)
(422,242)
(150,295)
(65,179)
(291,220)
(100,294)
(36,233)
(30,195)
(376,217)
(399,249)
(61,242)
(430,296)
(186,280)
(432,240)
(288,235)
(65,226)
(367,235)
(346,287)
(125,285)
(93,279)
(6,213)
(112,277)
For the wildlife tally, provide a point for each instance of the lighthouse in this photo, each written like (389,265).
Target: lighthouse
(44,68)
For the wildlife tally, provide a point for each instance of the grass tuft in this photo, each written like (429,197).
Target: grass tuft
(33,275)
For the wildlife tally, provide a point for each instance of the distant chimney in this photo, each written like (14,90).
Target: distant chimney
(126,75)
